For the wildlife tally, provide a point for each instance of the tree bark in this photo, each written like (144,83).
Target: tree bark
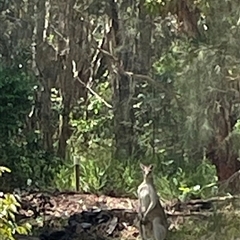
(143,64)
(46,62)
(123,87)
(220,150)
(66,74)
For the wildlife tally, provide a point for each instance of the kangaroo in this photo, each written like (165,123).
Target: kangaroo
(153,220)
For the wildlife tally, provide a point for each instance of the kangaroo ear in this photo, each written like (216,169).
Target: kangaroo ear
(142,166)
(151,167)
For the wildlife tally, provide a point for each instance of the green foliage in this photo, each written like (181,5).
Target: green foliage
(21,149)
(42,173)
(93,175)
(15,104)
(8,209)
(64,179)
(201,72)
(123,178)
(186,183)
(104,175)
(27,161)
(221,225)
(92,125)
(92,142)
(15,100)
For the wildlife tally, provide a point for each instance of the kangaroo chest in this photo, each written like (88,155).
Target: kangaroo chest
(144,195)
(145,192)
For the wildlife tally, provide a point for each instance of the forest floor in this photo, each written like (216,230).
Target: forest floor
(70,215)
(101,216)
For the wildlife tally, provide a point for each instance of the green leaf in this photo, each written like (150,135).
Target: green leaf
(13,208)
(21,230)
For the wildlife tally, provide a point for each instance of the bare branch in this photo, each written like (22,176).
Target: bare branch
(94,93)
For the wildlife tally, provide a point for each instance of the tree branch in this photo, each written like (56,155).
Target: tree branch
(94,93)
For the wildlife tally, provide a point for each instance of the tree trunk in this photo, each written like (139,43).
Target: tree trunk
(123,117)
(226,162)
(220,150)
(46,62)
(145,47)
(123,87)
(66,75)
(144,63)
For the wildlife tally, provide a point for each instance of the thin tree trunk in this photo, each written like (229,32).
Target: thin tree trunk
(144,53)
(66,75)
(47,66)
(145,47)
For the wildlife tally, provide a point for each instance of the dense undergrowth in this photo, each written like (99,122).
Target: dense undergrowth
(122,178)
(222,226)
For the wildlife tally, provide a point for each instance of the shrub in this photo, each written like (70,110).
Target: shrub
(8,209)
